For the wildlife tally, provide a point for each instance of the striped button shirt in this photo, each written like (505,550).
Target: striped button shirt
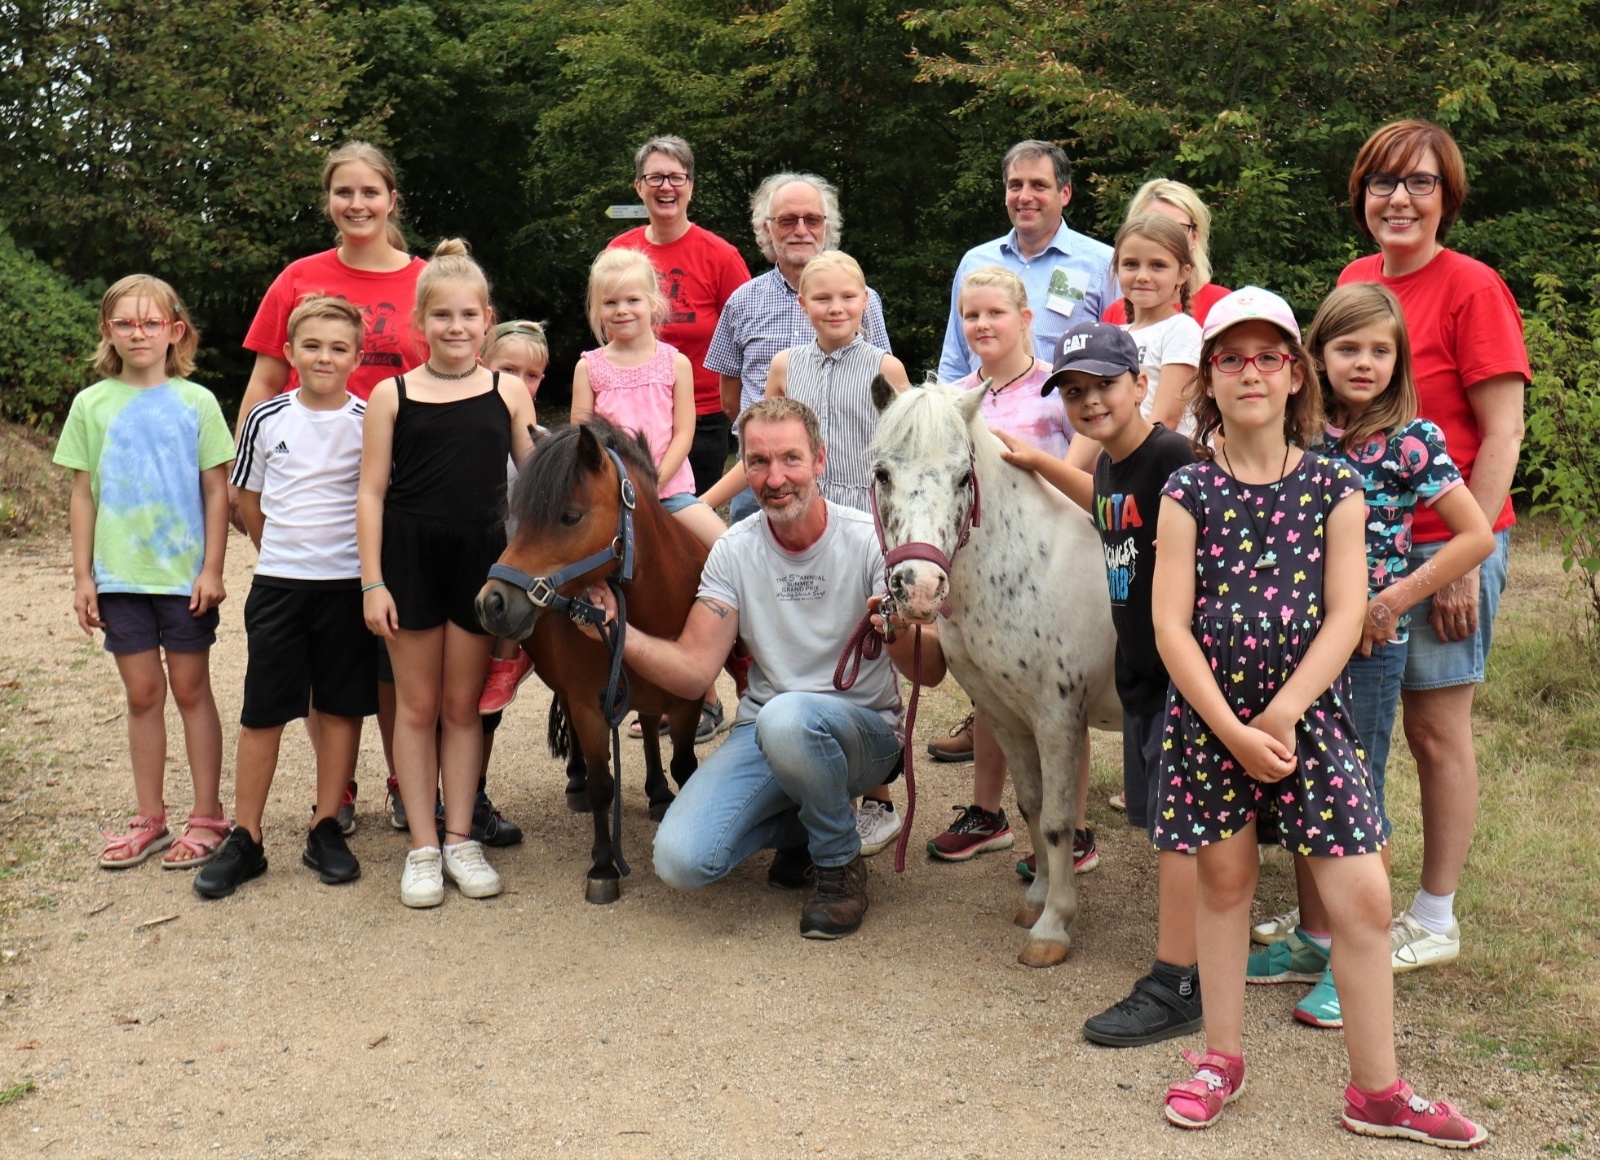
(763,317)
(838,387)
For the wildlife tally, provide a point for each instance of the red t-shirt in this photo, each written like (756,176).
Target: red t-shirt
(1204,299)
(386,299)
(698,273)
(1464,327)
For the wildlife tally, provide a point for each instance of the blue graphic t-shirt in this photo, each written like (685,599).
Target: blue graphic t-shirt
(1408,464)
(144,449)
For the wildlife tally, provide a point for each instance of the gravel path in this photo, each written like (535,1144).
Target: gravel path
(298,1020)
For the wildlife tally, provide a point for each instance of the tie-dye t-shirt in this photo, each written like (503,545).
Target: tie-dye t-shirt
(144,449)
(1408,464)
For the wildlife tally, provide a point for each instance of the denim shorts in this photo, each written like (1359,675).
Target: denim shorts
(1435,664)
(137,622)
(676,503)
(1374,694)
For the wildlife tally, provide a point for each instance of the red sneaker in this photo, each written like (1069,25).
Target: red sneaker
(501,682)
(1085,854)
(975,831)
(1198,1102)
(1401,1113)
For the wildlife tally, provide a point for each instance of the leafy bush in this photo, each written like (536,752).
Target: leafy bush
(1563,426)
(50,328)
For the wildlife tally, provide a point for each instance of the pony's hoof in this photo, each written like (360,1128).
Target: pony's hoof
(578,802)
(1028,915)
(1038,953)
(601,891)
(658,810)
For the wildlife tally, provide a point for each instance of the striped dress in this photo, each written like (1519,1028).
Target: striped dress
(838,387)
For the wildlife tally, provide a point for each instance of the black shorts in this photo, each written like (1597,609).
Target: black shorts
(309,647)
(1141,767)
(435,570)
(137,622)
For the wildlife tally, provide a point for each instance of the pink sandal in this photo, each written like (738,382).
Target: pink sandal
(147,834)
(198,843)
(1198,1102)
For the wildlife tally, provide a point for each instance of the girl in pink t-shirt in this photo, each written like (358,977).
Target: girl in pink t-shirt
(996,322)
(640,383)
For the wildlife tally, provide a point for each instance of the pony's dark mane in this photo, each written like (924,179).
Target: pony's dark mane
(548,478)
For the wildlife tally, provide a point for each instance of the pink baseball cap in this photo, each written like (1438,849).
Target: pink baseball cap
(1250,304)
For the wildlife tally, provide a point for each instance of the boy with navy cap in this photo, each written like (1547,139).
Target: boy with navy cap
(1096,369)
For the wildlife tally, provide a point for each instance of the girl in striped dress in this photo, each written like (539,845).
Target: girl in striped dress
(833,374)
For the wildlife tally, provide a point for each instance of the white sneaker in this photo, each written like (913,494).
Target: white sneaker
(470,870)
(1275,929)
(1414,945)
(422,881)
(877,825)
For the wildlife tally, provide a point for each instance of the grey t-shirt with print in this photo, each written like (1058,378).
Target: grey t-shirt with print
(798,609)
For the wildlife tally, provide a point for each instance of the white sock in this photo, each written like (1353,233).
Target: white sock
(1322,940)
(1436,912)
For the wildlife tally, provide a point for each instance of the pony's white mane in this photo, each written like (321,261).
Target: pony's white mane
(924,424)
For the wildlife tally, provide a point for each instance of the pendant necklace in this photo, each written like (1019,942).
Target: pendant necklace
(438,374)
(995,391)
(1267,561)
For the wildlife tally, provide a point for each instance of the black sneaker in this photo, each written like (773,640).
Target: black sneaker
(838,901)
(490,828)
(239,859)
(1151,1013)
(327,854)
(791,869)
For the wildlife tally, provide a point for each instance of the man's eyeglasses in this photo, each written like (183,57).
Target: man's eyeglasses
(1268,362)
(790,222)
(1417,184)
(125,327)
(657,180)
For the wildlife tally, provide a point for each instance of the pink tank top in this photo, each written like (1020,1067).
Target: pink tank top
(639,400)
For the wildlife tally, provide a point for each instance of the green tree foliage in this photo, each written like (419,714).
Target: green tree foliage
(51,335)
(181,138)
(1263,108)
(1563,427)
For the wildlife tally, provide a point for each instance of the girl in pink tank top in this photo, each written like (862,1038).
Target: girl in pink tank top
(640,383)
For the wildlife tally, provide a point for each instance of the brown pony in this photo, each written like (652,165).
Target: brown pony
(587,513)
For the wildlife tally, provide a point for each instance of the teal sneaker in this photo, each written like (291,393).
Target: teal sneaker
(1294,960)
(1320,1007)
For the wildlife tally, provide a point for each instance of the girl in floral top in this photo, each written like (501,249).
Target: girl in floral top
(1259,597)
(1361,353)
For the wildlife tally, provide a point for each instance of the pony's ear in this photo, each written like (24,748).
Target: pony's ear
(590,453)
(969,402)
(882,393)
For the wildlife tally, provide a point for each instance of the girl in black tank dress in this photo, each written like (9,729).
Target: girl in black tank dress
(428,521)
(1260,594)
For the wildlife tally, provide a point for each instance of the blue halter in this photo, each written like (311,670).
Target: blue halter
(544,592)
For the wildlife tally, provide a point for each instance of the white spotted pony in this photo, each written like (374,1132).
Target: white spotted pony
(1028,629)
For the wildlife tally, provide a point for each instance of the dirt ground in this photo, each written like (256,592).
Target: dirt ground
(297,1020)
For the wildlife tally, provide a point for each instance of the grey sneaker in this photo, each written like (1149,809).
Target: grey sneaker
(397,807)
(1415,946)
(347,809)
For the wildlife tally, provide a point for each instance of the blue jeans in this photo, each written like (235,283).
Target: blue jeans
(1374,694)
(783,780)
(743,504)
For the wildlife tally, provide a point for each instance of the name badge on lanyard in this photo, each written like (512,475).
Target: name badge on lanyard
(1067,289)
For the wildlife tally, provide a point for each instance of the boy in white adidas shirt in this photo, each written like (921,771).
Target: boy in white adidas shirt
(298,467)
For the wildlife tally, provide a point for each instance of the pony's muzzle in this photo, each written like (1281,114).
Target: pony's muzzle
(920,588)
(505,610)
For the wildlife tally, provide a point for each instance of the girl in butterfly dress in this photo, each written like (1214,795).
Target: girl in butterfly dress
(1260,593)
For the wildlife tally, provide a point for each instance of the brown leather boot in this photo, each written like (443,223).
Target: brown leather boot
(838,901)
(956,747)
